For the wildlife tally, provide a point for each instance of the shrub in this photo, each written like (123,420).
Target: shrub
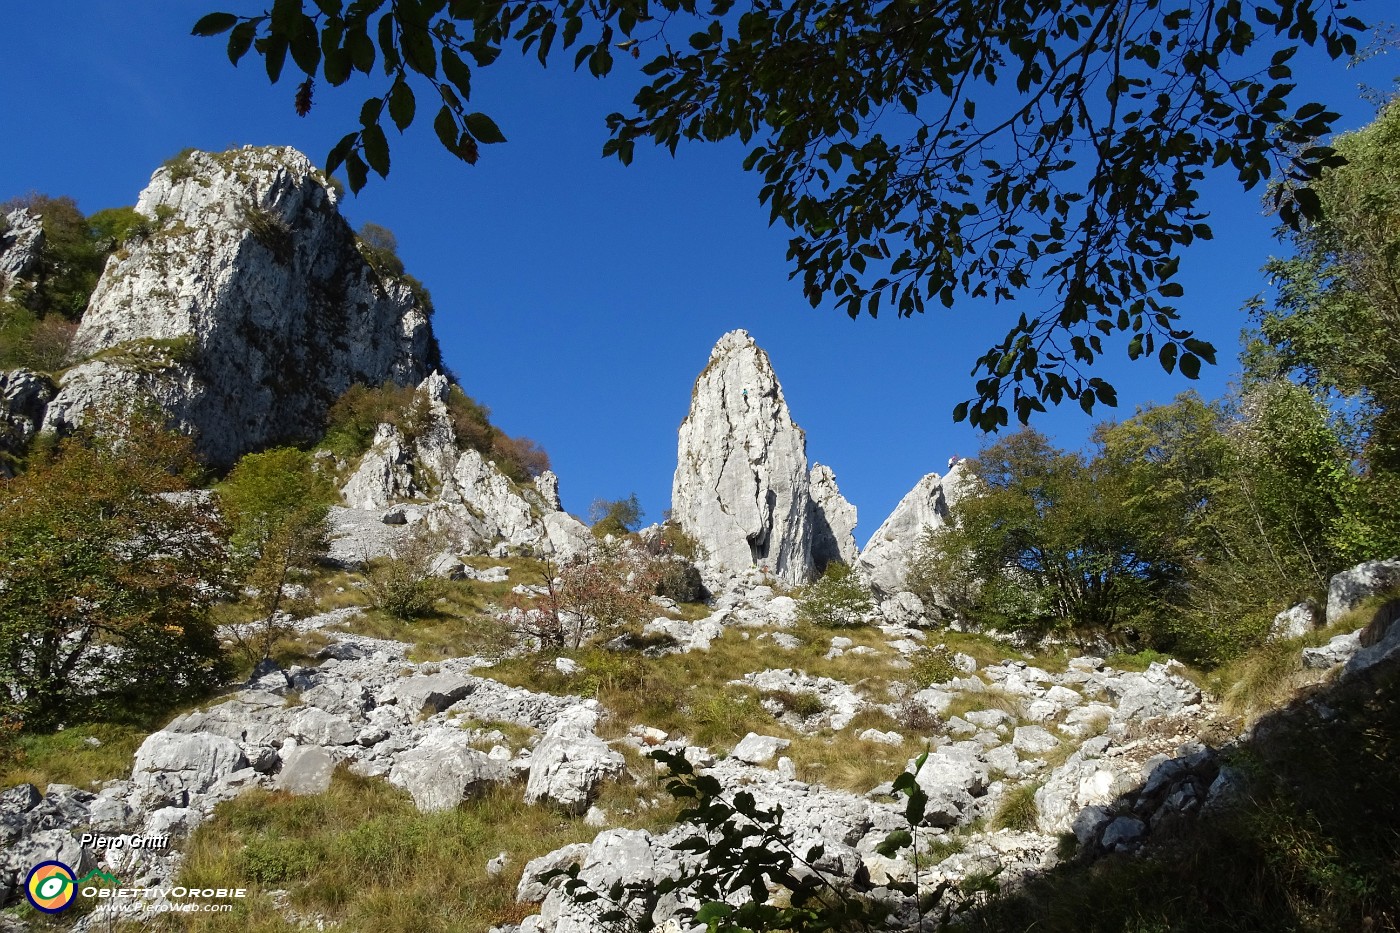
(933,666)
(402,584)
(615,517)
(1018,810)
(269,228)
(107,581)
(276,504)
(837,599)
(679,579)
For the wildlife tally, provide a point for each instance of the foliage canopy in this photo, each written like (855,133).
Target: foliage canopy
(107,578)
(918,151)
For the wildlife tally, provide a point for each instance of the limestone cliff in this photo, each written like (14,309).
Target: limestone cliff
(742,487)
(884,559)
(248,311)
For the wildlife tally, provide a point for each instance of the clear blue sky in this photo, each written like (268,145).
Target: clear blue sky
(578,298)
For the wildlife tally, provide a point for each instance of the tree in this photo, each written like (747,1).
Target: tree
(275,503)
(885,139)
(107,573)
(1048,539)
(1335,324)
(615,516)
(836,599)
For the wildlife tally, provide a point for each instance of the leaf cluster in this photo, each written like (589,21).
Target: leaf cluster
(919,153)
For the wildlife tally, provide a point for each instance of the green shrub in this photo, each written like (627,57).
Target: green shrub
(933,666)
(616,517)
(679,580)
(402,584)
(837,599)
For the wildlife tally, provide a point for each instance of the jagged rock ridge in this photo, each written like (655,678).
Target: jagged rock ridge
(248,311)
(742,486)
(884,561)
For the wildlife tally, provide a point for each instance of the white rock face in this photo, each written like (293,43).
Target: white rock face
(884,559)
(833,519)
(570,762)
(742,487)
(383,475)
(19,246)
(248,312)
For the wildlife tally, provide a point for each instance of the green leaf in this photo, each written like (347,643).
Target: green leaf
(274,52)
(401,105)
(713,911)
(457,71)
(418,49)
(213,24)
(356,171)
(376,149)
(899,839)
(1167,356)
(361,49)
(241,40)
(446,128)
(1190,365)
(484,128)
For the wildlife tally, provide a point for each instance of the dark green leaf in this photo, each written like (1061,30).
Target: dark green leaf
(418,50)
(483,128)
(457,71)
(376,149)
(1167,356)
(213,24)
(241,40)
(401,105)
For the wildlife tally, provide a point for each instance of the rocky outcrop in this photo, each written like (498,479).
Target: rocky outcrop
(832,518)
(884,561)
(21,240)
(1352,587)
(457,493)
(742,488)
(247,312)
(24,397)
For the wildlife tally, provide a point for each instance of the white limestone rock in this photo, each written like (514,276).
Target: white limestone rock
(570,762)
(742,488)
(171,768)
(1295,621)
(20,246)
(248,312)
(443,770)
(24,398)
(884,561)
(832,518)
(1350,588)
(383,476)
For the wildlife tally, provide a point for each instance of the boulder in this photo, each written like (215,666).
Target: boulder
(172,768)
(431,693)
(1350,588)
(443,770)
(758,749)
(570,761)
(1295,621)
(248,312)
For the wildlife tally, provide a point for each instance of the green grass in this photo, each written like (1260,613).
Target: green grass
(64,757)
(1017,810)
(364,857)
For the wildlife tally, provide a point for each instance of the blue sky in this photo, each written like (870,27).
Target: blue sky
(576,297)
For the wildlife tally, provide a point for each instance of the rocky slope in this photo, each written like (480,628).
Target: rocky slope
(1114,758)
(743,488)
(247,312)
(433,482)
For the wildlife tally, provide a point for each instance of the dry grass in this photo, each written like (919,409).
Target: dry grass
(991,698)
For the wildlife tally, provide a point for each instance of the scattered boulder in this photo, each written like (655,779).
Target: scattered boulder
(1295,621)
(1350,588)
(758,749)
(443,770)
(570,762)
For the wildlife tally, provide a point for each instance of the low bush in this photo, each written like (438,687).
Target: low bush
(838,599)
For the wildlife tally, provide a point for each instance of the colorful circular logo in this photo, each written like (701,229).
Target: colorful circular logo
(50,887)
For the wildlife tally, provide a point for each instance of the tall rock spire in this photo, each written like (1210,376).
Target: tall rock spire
(742,487)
